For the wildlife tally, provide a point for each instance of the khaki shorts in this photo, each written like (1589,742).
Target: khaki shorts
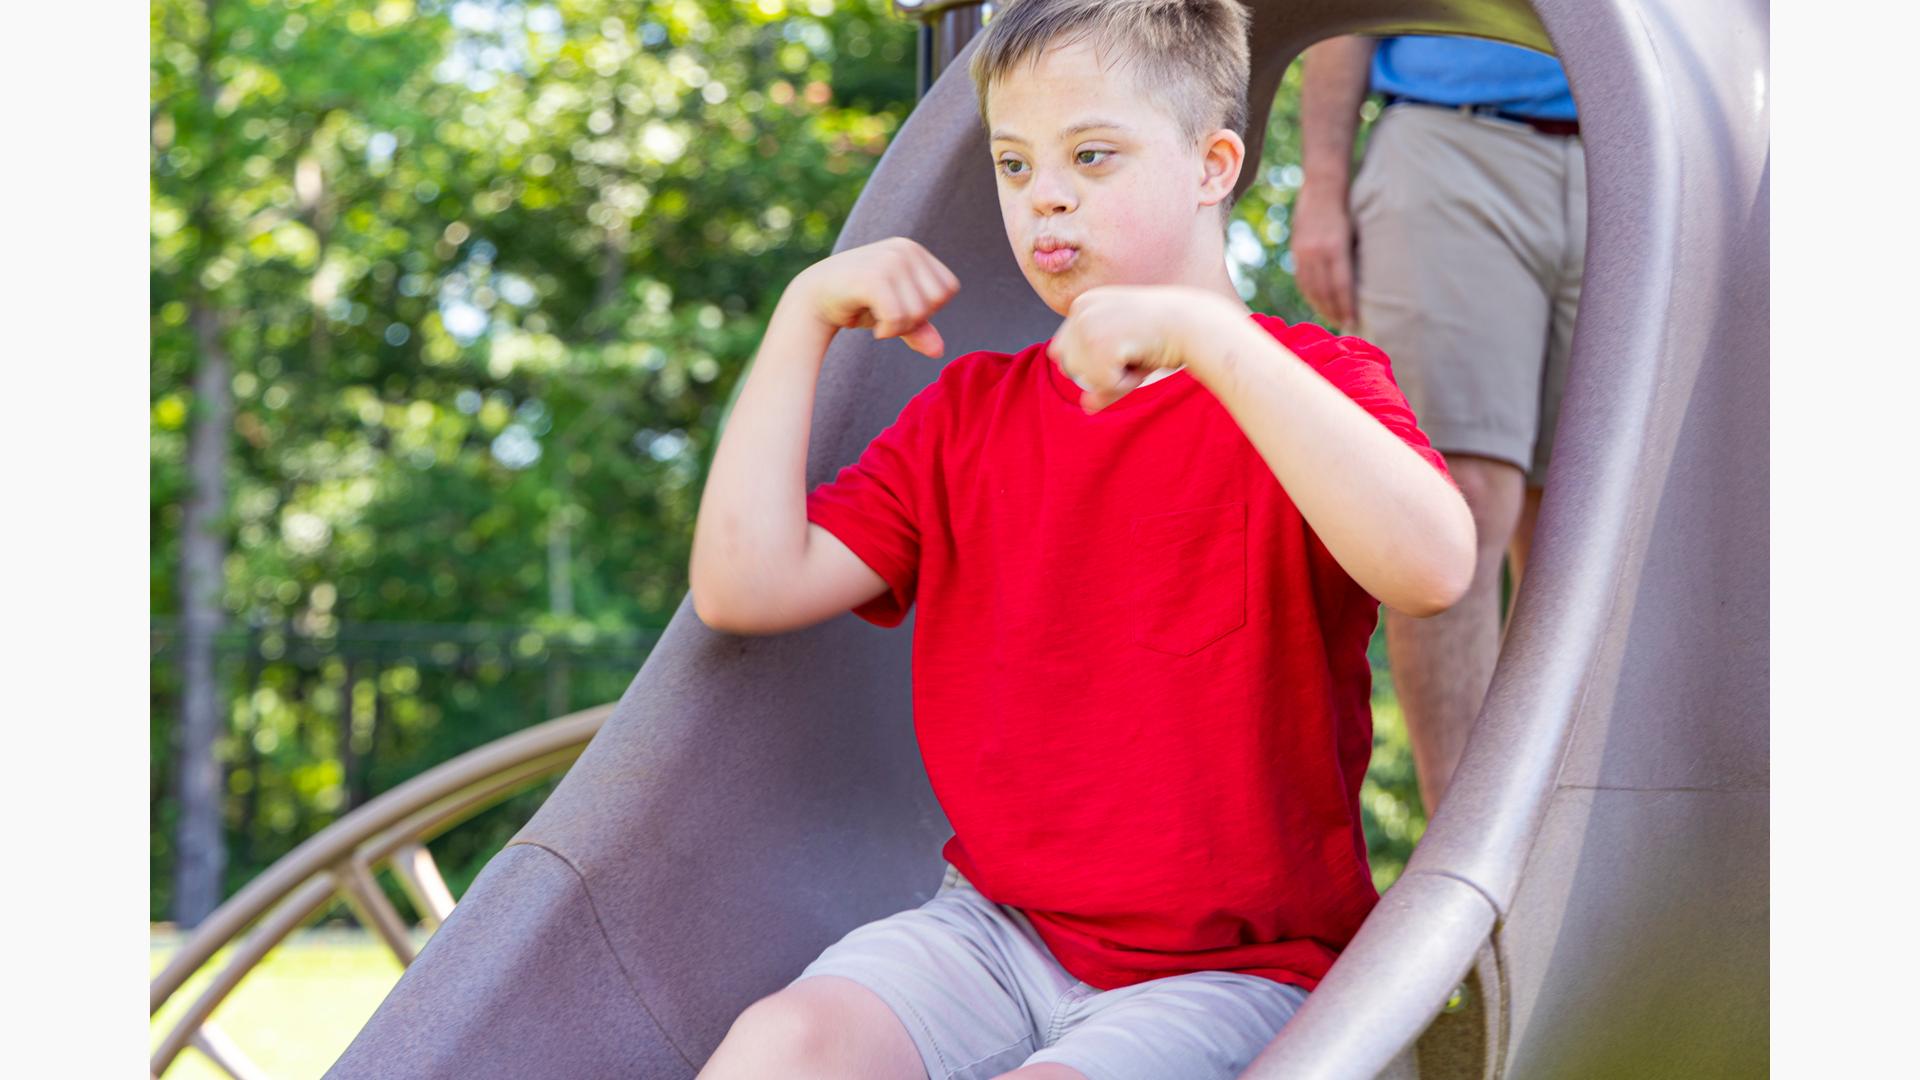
(980,993)
(1470,241)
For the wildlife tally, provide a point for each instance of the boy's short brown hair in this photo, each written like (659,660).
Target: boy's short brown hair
(1189,55)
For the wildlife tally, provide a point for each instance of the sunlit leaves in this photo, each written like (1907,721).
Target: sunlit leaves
(488,272)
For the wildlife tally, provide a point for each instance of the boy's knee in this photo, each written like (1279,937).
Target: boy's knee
(783,1034)
(1045,1071)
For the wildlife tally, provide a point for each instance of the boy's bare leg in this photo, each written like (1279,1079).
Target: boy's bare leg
(823,1027)
(1046,1070)
(1443,664)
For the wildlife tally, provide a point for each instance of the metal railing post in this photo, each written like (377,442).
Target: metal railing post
(945,28)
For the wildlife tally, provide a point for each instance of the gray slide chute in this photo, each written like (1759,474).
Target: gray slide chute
(1596,879)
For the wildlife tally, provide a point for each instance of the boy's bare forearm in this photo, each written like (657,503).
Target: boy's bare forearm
(1391,520)
(752,523)
(1333,83)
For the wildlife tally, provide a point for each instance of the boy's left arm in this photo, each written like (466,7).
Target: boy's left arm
(1392,521)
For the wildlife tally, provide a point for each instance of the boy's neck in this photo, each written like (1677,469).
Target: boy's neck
(1218,280)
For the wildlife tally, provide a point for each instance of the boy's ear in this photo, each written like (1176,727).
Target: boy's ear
(1224,153)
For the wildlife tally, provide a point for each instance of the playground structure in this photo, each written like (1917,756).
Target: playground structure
(340,862)
(1595,882)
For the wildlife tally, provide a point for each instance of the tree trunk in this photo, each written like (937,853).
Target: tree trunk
(200,849)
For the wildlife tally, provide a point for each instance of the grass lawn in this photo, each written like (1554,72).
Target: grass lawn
(296,1012)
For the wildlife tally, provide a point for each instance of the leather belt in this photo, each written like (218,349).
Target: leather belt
(1540,124)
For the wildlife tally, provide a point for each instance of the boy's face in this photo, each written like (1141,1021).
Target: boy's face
(1122,195)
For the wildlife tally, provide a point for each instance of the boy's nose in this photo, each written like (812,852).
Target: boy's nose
(1051,196)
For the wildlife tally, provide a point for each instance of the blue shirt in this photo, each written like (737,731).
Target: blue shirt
(1472,71)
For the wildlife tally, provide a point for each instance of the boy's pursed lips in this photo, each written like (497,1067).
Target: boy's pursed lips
(1053,254)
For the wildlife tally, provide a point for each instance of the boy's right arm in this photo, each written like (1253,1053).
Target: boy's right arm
(758,565)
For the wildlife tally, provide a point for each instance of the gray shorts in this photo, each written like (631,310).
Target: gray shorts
(980,993)
(1470,244)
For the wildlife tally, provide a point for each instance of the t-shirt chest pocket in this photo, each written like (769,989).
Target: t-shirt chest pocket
(1189,584)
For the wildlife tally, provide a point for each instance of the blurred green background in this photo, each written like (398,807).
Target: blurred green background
(447,303)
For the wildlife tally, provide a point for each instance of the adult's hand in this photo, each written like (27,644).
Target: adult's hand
(1332,86)
(1322,244)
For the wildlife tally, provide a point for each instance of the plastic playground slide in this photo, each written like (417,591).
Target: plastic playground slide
(1597,877)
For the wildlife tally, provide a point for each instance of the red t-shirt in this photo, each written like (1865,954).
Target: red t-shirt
(1140,682)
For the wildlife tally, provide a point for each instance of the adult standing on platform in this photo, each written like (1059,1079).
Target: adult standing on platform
(1457,248)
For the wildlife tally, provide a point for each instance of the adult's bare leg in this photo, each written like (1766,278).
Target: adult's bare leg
(1442,665)
(823,1027)
(1522,546)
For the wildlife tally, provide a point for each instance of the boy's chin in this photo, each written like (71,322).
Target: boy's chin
(1058,295)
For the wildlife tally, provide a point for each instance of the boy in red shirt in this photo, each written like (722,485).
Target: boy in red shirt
(1148,556)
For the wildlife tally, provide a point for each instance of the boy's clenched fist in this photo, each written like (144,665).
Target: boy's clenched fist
(1115,336)
(892,285)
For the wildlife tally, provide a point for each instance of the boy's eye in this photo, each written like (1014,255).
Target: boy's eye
(1016,167)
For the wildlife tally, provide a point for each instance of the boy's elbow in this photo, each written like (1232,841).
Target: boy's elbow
(713,602)
(1442,586)
(1445,574)
(713,610)
(704,609)
(1440,594)
(1424,604)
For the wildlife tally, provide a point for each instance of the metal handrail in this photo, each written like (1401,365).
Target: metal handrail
(339,861)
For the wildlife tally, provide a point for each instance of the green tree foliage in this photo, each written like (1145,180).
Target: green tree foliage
(486,274)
